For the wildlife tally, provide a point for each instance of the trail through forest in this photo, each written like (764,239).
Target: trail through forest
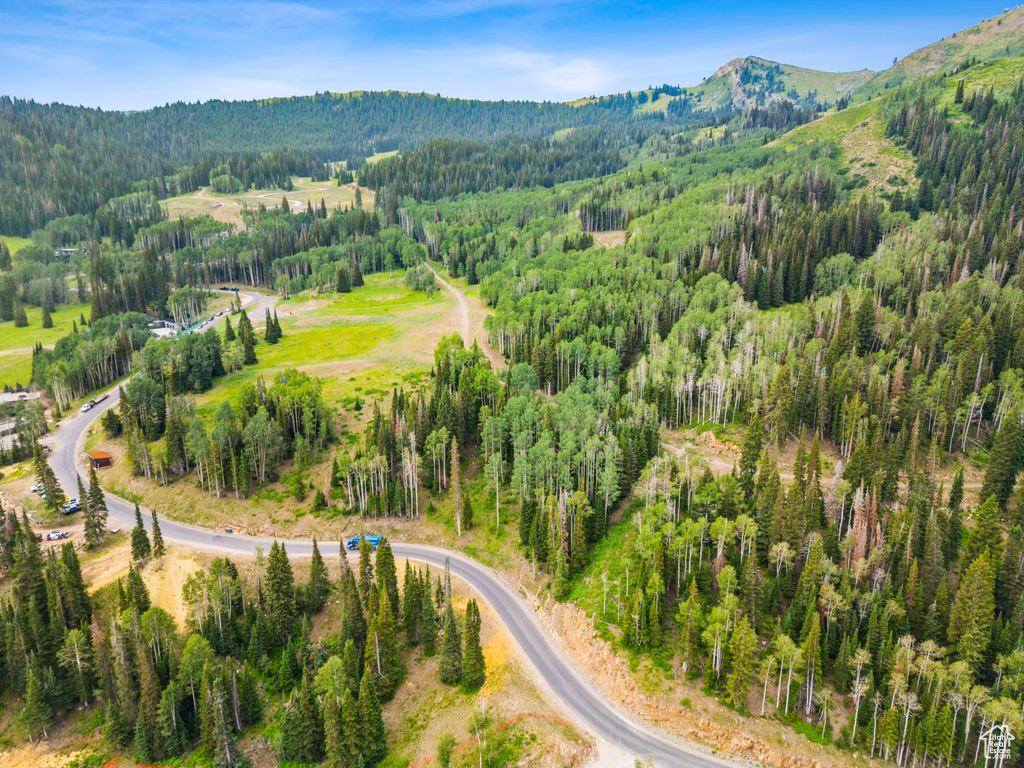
(472,321)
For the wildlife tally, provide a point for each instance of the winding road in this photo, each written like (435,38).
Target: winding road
(573,691)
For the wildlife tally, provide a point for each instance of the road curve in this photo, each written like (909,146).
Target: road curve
(577,694)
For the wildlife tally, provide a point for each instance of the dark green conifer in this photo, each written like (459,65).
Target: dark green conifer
(373,741)
(137,595)
(158,539)
(473,671)
(279,594)
(319,584)
(387,574)
(450,665)
(140,539)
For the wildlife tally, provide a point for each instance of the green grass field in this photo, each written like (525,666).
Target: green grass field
(866,151)
(1002,75)
(15,243)
(358,342)
(376,157)
(228,208)
(833,127)
(16,343)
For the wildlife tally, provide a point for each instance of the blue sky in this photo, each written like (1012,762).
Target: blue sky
(133,54)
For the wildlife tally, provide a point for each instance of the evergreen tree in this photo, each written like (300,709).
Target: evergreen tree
(36,715)
(250,707)
(95,511)
(365,570)
(172,725)
(811,647)
(372,741)
(268,327)
(158,539)
(140,539)
(334,734)
(1005,461)
(47,321)
(351,729)
(387,574)
(428,622)
(148,741)
(246,334)
(302,735)
(753,444)
(279,594)
(411,607)
(319,584)
(137,595)
(229,332)
(458,497)
(450,665)
(956,493)
(743,653)
(20,318)
(970,621)
(987,534)
(473,671)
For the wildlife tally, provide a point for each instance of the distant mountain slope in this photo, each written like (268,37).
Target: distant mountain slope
(1000,36)
(752,81)
(747,82)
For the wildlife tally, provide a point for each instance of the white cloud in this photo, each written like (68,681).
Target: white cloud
(561,75)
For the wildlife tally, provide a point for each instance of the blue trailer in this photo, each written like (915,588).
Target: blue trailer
(353,542)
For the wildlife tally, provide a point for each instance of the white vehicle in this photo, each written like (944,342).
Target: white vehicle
(36,488)
(55,536)
(86,407)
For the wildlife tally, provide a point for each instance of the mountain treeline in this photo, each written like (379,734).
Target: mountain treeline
(58,160)
(450,167)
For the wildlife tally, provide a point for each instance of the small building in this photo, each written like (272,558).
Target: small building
(99,459)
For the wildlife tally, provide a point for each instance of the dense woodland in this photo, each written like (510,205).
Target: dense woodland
(870,341)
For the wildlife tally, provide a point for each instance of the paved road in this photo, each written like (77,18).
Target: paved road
(578,695)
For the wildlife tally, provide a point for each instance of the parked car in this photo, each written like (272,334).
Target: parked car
(72,506)
(86,407)
(353,543)
(36,488)
(56,536)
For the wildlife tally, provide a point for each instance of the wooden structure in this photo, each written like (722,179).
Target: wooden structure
(99,459)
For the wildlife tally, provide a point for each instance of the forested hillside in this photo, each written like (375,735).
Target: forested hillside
(57,160)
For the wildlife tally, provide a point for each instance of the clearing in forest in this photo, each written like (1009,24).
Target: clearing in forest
(228,208)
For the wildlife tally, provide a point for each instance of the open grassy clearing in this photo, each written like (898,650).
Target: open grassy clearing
(380,325)
(16,343)
(860,135)
(228,208)
(1002,75)
(15,243)
(376,157)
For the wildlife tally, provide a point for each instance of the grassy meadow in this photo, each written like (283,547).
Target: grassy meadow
(228,208)
(16,343)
